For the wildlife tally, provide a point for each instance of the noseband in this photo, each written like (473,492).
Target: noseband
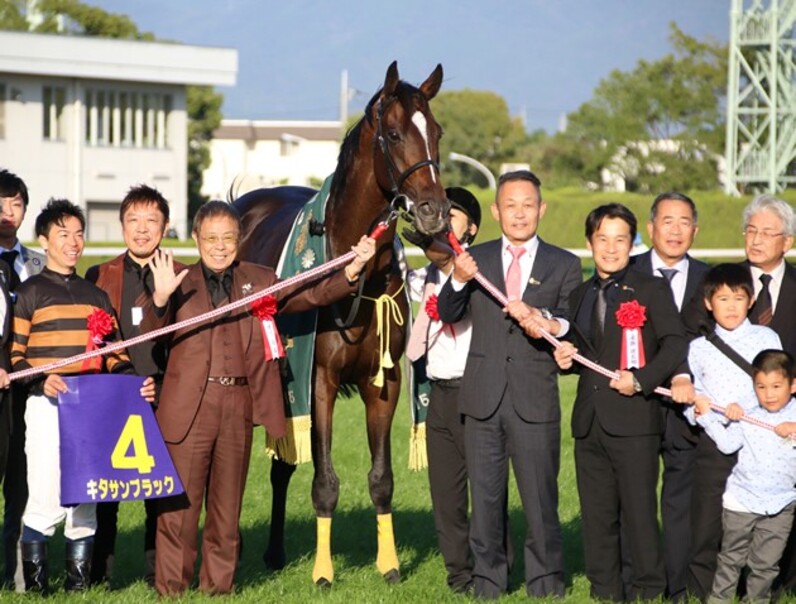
(392,170)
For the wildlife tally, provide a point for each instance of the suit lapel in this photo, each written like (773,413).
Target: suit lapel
(787,291)
(199,301)
(577,301)
(492,264)
(692,281)
(540,271)
(116,276)
(643,263)
(240,280)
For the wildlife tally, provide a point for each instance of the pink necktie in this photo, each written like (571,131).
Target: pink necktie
(416,347)
(514,274)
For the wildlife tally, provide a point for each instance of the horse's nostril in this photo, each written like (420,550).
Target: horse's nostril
(425,210)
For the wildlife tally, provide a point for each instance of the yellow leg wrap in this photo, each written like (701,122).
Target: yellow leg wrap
(323,568)
(386,558)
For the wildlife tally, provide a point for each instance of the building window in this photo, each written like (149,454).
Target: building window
(53,103)
(127,119)
(289,144)
(2,110)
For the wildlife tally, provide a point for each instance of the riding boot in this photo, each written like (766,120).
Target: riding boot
(34,567)
(78,565)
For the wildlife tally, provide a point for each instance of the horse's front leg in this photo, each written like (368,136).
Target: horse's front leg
(379,409)
(325,484)
(281,472)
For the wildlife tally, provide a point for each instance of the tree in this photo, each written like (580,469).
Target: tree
(76,17)
(678,97)
(477,124)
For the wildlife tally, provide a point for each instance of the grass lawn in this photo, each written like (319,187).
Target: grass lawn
(353,530)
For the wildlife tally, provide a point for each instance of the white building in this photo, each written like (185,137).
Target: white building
(247,154)
(86,118)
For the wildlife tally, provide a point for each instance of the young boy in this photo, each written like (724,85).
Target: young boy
(728,292)
(760,496)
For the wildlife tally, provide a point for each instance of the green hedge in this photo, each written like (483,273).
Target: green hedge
(719,215)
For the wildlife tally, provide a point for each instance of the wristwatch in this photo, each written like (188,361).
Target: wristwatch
(637,385)
(546,314)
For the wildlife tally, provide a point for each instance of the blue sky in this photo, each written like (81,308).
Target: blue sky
(543,56)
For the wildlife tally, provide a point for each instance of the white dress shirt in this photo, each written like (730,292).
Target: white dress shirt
(679,280)
(526,268)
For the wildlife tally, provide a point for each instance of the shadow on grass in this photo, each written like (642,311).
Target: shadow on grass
(353,546)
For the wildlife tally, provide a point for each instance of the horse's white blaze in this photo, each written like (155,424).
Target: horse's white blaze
(419,120)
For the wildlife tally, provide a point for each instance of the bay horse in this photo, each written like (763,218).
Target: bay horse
(389,158)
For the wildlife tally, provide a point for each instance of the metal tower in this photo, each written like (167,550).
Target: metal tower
(761,96)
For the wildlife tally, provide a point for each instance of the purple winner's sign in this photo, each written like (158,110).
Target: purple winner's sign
(111,446)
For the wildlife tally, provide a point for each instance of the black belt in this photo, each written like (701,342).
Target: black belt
(229,381)
(452,383)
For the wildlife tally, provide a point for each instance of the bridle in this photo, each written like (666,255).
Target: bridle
(392,169)
(393,210)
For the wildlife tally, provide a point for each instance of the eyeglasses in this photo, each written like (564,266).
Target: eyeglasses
(227,240)
(753,233)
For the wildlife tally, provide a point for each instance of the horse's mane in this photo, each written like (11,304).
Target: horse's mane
(348,150)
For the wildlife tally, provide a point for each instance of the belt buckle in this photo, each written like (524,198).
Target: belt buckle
(226,381)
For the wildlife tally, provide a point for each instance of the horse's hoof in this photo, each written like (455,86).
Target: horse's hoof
(392,576)
(323,583)
(275,560)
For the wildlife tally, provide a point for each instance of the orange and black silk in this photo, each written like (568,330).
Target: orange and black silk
(50,324)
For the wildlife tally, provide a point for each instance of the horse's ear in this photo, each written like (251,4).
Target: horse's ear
(431,86)
(391,80)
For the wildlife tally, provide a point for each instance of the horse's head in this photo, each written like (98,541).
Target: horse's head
(406,149)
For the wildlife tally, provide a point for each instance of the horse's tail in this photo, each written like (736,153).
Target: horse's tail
(234,187)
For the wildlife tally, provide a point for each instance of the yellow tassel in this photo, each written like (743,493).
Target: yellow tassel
(385,306)
(418,455)
(386,558)
(323,568)
(295,446)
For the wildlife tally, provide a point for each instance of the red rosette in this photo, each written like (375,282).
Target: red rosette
(432,310)
(100,325)
(264,310)
(432,307)
(631,315)
(265,307)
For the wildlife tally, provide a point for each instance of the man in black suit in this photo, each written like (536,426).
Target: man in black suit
(509,391)
(769,226)
(23,263)
(5,366)
(672,227)
(617,423)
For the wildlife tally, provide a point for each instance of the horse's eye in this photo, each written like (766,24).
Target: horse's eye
(393,136)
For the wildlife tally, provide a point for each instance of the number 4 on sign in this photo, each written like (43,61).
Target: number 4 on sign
(132,437)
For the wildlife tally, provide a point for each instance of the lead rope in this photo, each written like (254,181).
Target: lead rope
(500,297)
(309,275)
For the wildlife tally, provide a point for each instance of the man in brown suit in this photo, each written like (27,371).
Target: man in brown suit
(217,386)
(128,281)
